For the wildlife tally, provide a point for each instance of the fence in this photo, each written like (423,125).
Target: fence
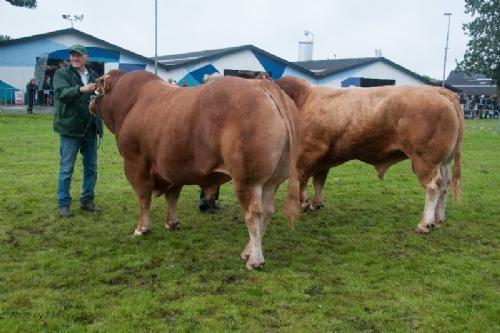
(481,114)
(13,96)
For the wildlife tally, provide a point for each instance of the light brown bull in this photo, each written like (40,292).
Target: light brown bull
(233,128)
(380,126)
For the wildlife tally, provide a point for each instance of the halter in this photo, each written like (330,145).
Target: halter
(93,100)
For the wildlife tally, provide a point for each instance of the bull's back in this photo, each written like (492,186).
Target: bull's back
(378,124)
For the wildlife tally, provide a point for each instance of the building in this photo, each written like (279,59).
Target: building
(472,85)
(39,56)
(247,60)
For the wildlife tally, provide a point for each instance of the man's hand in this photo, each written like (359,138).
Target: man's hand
(88,88)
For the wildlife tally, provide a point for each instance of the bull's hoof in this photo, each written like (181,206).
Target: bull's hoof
(307,208)
(305,205)
(254,265)
(439,223)
(318,206)
(245,254)
(423,229)
(140,232)
(172,225)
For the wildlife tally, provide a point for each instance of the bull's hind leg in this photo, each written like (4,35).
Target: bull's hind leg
(268,204)
(251,203)
(172,197)
(430,177)
(319,182)
(443,190)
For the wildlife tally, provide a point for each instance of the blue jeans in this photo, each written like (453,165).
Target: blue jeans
(70,146)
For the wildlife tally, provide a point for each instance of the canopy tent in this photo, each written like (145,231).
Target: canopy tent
(7,92)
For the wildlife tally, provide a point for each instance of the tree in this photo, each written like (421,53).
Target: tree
(483,49)
(23,3)
(4,37)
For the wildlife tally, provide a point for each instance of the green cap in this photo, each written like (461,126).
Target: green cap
(80,49)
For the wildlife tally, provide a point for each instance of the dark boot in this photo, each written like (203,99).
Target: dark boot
(89,206)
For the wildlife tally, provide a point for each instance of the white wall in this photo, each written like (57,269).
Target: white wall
(69,39)
(244,60)
(17,76)
(289,71)
(381,70)
(377,70)
(109,66)
(161,72)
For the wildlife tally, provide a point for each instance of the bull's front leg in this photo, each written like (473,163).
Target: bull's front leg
(172,197)
(306,166)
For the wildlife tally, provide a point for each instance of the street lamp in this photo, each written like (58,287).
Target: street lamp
(156,37)
(446,47)
(72,18)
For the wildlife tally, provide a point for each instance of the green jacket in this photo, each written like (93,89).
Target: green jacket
(72,116)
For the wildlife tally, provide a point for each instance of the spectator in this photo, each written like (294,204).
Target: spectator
(47,91)
(31,89)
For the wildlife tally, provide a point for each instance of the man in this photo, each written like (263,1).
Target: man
(31,89)
(78,129)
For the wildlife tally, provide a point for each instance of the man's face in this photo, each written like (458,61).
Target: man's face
(78,60)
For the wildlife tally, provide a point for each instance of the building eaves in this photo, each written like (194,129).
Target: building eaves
(184,59)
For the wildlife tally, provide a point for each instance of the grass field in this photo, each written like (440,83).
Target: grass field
(355,266)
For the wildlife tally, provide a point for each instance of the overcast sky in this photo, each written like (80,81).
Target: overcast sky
(411,33)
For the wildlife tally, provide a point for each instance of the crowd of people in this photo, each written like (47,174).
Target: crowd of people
(480,107)
(39,95)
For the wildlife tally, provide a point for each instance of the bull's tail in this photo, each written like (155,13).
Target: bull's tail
(289,115)
(456,174)
(457,169)
(292,198)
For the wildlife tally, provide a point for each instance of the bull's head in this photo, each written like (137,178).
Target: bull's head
(104,84)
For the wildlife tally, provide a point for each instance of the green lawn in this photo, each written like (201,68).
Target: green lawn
(355,266)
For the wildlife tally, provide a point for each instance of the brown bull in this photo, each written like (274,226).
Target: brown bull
(233,128)
(380,126)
